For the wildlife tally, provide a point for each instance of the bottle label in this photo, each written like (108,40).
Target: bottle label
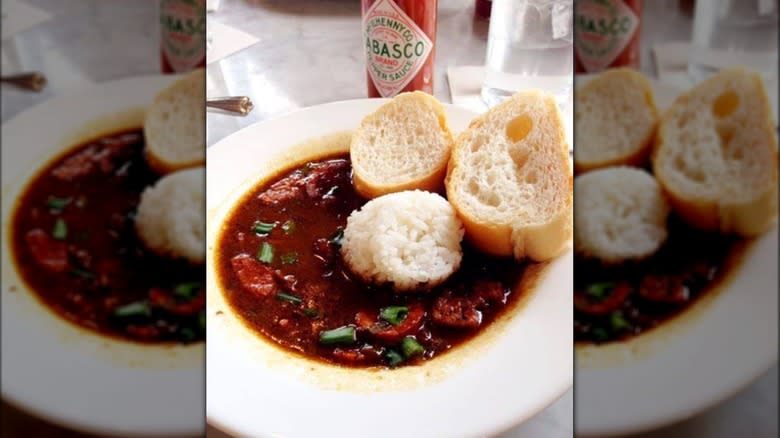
(396,48)
(183,32)
(602,30)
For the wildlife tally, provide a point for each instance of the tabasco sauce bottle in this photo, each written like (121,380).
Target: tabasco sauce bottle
(182,35)
(399,37)
(606,34)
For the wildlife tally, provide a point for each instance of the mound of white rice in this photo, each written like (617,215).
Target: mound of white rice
(171,219)
(410,239)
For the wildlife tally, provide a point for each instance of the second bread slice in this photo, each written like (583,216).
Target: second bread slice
(510,179)
(403,145)
(716,155)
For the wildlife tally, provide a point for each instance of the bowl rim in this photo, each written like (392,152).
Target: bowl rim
(103,108)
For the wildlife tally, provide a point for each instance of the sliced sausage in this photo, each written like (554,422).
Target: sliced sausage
(163,299)
(323,177)
(253,275)
(148,332)
(49,253)
(104,159)
(664,289)
(487,293)
(614,300)
(456,312)
(384,331)
(76,166)
(284,190)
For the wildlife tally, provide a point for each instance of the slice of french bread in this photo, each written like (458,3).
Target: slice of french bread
(404,145)
(175,125)
(615,117)
(510,179)
(716,155)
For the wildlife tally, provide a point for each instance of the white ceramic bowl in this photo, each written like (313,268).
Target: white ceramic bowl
(52,368)
(690,363)
(521,364)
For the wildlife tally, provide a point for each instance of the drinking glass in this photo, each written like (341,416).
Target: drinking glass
(529,46)
(731,33)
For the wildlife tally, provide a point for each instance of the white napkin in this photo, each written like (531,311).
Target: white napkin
(18,16)
(225,40)
(466,87)
(671,60)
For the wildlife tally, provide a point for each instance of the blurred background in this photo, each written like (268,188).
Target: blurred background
(66,47)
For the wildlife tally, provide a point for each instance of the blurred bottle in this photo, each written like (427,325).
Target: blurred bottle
(606,34)
(400,39)
(182,35)
(482,8)
(529,46)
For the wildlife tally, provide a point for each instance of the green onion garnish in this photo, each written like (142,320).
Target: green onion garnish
(288,227)
(311,313)
(82,273)
(411,347)
(57,204)
(599,334)
(261,227)
(394,314)
(617,321)
(266,253)
(60,230)
(599,291)
(187,290)
(337,238)
(341,335)
(289,298)
(393,358)
(202,320)
(137,308)
(187,334)
(289,258)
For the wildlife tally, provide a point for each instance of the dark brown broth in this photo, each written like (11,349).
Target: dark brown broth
(331,289)
(691,259)
(108,266)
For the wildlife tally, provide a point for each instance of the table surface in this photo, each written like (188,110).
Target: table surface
(78,45)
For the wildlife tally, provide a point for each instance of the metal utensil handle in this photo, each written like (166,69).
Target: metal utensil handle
(31,81)
(241,105)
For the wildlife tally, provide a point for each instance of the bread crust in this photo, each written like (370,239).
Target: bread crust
(536,241)
(370,186)
(433,182)
(638,158)
(639,155)
(156,153)
(747,218)
(544,241)
(163,167)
